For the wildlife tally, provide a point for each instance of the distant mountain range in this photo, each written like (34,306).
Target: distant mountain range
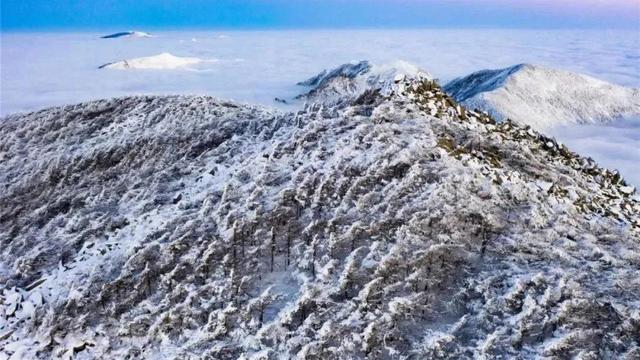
(542,97)
(528,94)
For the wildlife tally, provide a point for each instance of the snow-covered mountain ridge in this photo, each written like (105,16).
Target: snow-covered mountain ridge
(394,224)
(542,97)
(346,82)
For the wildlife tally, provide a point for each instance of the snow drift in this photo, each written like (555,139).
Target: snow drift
(396,224)
(543,97)
(164,61)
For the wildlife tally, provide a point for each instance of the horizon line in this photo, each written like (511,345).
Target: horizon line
(69,29)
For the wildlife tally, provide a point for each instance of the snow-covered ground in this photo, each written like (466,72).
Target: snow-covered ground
(47,69)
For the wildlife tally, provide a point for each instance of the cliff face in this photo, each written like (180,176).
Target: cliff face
(396,224)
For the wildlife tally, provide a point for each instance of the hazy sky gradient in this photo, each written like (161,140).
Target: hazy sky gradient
(252,14)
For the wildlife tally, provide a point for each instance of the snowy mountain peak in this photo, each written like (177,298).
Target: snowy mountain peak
(469,86)
(348,81)
(349,70)
(163,61)
(542,97)
(396,225)
(131,33)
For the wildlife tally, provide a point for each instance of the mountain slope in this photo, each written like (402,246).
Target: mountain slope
(396,224)
(543,97)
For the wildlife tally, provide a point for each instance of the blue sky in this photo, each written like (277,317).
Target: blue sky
(252,14)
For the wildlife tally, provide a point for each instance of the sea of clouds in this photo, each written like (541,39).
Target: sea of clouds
(46,69)
(614,145)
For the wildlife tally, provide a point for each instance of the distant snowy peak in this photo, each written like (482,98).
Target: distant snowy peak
(350,80)
(481,81)
(164,61)
(137,34)
(350,71)
(542,97)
